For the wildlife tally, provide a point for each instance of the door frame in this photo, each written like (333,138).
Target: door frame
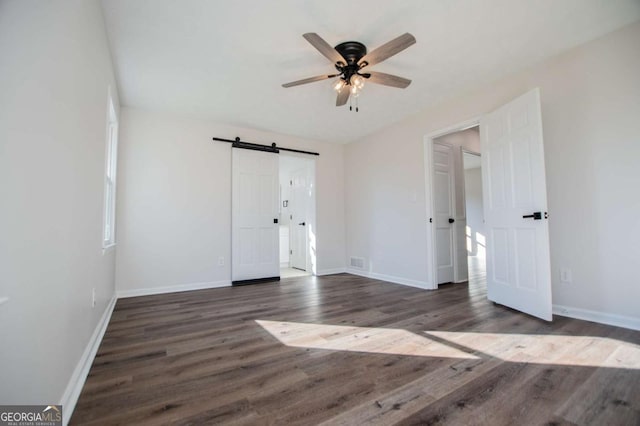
(432,274)
(311,259)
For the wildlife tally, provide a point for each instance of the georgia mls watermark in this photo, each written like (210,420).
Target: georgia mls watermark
(30,415)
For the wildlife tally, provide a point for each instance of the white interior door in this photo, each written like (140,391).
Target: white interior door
(299,225)
(514,188)
(444,211)
(254,213)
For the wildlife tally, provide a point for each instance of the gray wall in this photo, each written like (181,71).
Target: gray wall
(54,76)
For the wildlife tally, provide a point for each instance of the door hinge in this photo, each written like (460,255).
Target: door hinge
(430,220)
(290,183)
(290,251)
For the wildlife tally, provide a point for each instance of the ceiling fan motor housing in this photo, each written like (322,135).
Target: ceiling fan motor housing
(352,51)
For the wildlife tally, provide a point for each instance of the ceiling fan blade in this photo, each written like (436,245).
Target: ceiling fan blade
(309,80)
(324,48)
(388,79)
(387,50)
(343,96)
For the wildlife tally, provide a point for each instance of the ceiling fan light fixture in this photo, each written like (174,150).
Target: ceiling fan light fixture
(339,85)
(357,81)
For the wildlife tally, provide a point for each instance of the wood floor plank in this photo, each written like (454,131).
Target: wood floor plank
(620,404)
(344,350)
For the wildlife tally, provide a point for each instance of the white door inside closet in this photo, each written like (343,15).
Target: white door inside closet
(443,187)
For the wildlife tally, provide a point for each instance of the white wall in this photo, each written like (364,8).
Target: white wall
(590,109)
(54,73)
(470,140)
(474,212)
(174,201)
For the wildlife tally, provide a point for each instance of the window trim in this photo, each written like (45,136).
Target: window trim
(110,181)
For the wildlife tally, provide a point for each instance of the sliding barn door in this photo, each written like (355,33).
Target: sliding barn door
(515,200)
(254,215)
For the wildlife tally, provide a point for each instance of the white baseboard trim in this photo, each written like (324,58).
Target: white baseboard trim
(596,316)
(396,280)
(122,294)
(331,271)
(79,376)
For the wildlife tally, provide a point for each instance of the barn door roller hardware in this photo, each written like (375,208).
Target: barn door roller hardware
(237,143)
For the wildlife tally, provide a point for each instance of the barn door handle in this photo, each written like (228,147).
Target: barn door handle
(451,220)
(302,223)
(534,216)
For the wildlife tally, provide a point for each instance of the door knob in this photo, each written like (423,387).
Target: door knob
(302,223)
(451,220)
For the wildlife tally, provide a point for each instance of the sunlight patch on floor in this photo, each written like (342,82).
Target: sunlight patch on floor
(359,339)
(584,351)
(587,351)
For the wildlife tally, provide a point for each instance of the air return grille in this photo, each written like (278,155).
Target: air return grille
(357,262)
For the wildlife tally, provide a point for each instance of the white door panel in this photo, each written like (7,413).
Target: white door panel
(443,185)
(518,267)
(254,203)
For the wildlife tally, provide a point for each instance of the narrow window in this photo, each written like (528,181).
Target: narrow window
(110,177)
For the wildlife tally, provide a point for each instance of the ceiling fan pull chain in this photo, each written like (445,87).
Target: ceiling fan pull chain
(356,104)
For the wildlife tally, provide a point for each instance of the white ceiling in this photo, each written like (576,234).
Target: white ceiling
(226,60)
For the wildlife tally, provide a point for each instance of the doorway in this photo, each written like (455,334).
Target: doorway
(450,221)
(297,216)
(273,220)
(514,204)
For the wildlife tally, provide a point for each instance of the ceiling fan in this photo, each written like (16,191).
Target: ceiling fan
(350,58)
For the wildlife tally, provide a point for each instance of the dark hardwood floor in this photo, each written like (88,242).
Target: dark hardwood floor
(349,350)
